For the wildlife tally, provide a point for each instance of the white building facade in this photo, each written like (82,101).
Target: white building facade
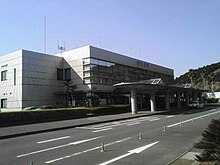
(66,79)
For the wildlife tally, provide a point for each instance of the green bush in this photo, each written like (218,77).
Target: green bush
(36,116)
(210,143)
(25,117)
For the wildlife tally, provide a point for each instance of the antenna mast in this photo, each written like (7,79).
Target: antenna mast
(45,34)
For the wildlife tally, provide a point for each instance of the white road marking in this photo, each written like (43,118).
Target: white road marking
(87,128)
(185,121)
(91,149)
(172,125)
(120,123)
(213,110)
(154,119)
(61,146)
(170,116)
(133,123)
(116,159)
(50,140)
(137,151)
(100,130)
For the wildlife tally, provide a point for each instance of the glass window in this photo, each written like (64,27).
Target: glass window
(87,80)
(86,74)
(67,74)
(86,67)
(102,63)
(59,74)
(109,64)
(94,61)
(3,103)
(4,75)
(86,61)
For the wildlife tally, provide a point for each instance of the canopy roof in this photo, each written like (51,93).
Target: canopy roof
(156,85)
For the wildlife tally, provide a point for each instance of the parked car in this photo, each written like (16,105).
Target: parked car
(196,104)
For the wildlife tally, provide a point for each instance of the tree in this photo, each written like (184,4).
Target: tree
(69,91)
(210,143)
(211,77)
(191,75)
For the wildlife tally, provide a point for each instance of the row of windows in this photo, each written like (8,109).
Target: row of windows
(111,73)
(4,75)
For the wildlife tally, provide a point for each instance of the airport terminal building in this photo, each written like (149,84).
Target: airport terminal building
(68,78)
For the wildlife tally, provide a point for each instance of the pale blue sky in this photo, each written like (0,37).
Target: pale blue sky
(180,34)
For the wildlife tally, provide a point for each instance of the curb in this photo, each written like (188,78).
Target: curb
(171,162)
(73,126)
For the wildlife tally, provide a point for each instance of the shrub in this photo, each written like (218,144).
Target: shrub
(210,143)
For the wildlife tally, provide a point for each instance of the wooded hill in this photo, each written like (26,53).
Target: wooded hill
(206,77)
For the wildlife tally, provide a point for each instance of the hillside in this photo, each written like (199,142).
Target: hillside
(206,77)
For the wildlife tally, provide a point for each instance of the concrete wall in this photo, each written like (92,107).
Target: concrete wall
(74,59)
(8,89)
(39,79)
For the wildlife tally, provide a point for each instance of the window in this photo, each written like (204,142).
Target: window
(68,74)
(3,103)
(4,75)
(14,76)
(59,74)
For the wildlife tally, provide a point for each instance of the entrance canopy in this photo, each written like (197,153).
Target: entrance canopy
(156,85)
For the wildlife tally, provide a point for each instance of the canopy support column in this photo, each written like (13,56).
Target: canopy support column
(152,101)
(133,101)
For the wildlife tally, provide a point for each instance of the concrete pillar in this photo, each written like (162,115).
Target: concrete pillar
(152,101)
(178,100)
(167,100)
(187,98)
(133,101)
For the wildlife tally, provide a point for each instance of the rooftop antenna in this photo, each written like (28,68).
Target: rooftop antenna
(60,48)
(45,35)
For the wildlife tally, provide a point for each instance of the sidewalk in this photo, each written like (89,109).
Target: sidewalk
(189,158)
(22,130)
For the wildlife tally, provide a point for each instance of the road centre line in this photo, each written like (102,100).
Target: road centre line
(91,149)
(101,130)
(60,146)
(51,140)
(189,120)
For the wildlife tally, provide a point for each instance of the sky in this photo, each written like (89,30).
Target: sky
(178,34)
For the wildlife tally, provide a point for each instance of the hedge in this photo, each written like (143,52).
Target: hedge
(37,116)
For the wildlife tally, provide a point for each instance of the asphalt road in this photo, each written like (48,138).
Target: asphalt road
(154,140)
